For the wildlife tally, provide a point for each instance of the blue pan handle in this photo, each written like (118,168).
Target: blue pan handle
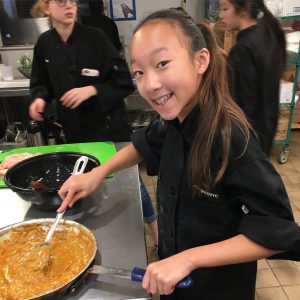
(137,274)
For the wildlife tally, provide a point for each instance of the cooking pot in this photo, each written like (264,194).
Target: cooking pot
(72,285)
(51,170)
(68,286)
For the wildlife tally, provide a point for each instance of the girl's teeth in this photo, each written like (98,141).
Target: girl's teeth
(162,100)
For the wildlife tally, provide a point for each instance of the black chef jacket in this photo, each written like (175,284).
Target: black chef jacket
(250,200)
(58,67)
(257,71)
(107,25)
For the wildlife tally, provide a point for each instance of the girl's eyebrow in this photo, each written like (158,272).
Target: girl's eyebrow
(155,51)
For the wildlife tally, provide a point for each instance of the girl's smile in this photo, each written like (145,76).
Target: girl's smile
(163,100)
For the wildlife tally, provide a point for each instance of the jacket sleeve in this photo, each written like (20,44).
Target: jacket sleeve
(257,189)
(117,83)
(40,84)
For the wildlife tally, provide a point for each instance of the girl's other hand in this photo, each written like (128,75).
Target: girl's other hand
(162,276)
(74,97)
(36,109)
(76,187)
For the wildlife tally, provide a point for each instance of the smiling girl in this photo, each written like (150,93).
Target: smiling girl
(221,204)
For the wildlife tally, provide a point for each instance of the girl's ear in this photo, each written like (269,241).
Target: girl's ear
(202,59)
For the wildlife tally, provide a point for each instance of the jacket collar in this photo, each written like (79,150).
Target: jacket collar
(189,126)
(75,31)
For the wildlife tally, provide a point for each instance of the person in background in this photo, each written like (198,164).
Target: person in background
(98,19)
(257,61)
(79,67)
(222,206)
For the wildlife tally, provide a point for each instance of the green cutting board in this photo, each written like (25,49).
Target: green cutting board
(101,150)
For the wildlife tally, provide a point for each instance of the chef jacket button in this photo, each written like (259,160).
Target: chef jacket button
(172,234)
(116,67)
(158,177)
(173,192)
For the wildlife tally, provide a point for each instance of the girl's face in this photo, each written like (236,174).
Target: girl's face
(166,74)
(62,12)
(229,15)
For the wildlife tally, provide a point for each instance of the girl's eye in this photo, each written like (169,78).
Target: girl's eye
(137,74)
(162,64)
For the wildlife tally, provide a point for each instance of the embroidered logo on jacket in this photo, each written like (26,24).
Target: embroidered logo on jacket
(208,194)
(245,209)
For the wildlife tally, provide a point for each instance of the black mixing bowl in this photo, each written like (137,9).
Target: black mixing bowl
(51,170)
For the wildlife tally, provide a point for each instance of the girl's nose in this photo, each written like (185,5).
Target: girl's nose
(69,3)
(152,82)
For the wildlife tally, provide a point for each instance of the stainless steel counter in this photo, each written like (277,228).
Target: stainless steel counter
(14,88)
(14,92)
(114,214)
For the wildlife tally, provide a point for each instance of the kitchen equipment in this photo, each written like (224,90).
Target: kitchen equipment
(43,254)
(100,150)
(51,169)
(25,72)
(136,274)
(7,72)
(55,293)
(72,285)
(51,129)
(17,25)
(14,137)
(34,134)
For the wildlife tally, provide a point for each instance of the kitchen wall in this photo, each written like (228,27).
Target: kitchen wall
(11,55)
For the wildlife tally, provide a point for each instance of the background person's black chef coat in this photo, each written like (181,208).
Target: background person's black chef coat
(257,72)
(251,199)
(107,25)
(57,69)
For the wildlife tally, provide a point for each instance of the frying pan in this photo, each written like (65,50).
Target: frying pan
(71,286)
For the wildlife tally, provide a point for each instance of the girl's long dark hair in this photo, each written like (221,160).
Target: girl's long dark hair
(268,24)
(217,109)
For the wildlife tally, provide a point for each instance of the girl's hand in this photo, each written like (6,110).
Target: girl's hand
(36,109)
(76,187)
(74,97)
(162,276)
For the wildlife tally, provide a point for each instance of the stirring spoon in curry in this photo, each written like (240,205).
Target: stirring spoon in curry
(39,258)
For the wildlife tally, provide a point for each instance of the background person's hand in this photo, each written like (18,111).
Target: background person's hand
(36,109)
(74,97)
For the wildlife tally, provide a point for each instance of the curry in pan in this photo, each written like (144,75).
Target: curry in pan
(70,252)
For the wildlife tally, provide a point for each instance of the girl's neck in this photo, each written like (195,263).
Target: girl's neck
(246,23)
(64,30)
